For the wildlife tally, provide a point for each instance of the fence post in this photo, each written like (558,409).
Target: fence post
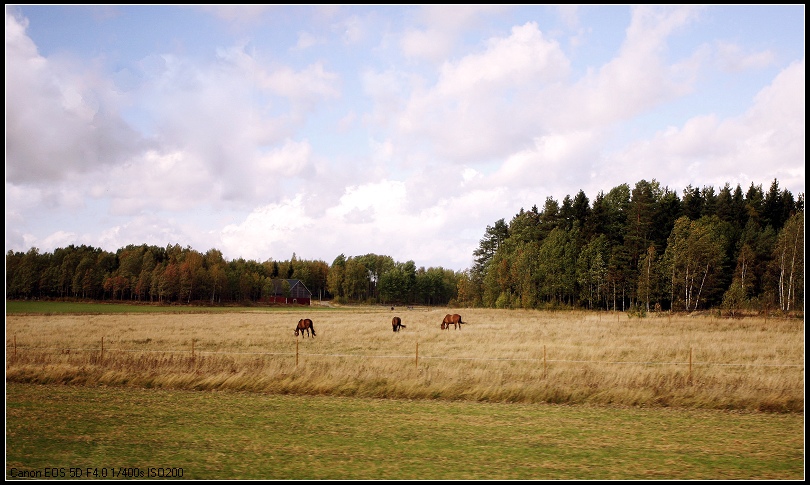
(296,352)
(690,366)
(544,362)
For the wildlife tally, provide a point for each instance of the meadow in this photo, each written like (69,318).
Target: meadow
(515,394)
(509,356)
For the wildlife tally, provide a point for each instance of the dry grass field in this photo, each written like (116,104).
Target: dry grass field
(520,356)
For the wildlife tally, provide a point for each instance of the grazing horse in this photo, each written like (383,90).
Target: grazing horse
(304,325)
(396,322)
(454,319)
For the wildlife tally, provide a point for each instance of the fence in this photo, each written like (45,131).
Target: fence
(415,356)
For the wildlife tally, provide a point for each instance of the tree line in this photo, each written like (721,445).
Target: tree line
(174,274)
(636,249)
(644,249)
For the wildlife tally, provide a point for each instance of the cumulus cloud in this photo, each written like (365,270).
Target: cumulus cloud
(707,150)
(732,58)
(440,27)
(238,16)
(403,135)
(487,103)
(62,117)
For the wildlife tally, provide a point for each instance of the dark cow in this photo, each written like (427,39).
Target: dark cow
(396,322)
(454,319)
(304,325)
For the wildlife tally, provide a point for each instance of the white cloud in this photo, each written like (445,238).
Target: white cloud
(60,117)
(489,103)
(305,41)
(552,161)
(401,131)
(440,27)
(307,86)
(238,16)
(712,151)
(272,229)
(732,58)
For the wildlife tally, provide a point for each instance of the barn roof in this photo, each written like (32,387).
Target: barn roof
(297,288)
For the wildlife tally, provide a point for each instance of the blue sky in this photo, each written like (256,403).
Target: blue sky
(264,131)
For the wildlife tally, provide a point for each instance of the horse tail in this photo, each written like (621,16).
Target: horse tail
(403,326)
(312,329)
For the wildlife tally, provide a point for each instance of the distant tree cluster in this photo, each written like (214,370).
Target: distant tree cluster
(630,250)
(152,274)
(644,249)
(182,275)
(379,279)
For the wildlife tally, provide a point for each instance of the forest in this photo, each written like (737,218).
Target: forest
(638,249)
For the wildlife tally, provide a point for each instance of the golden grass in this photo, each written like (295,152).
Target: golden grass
(498,356)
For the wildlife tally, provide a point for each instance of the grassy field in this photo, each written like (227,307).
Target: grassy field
(498,356)
(138,433)
(236,395)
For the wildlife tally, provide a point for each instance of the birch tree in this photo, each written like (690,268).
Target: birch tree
(694,256)
(789,261)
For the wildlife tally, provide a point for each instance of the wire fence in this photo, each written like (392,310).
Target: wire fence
(14,348)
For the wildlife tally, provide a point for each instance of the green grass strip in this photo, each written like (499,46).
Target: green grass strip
(139,433)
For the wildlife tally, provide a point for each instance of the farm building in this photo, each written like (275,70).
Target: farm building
(291,292)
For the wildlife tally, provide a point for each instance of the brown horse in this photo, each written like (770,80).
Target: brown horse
(454,319)
(396,322)
(304,325)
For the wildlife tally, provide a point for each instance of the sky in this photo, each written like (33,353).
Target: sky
(317,130)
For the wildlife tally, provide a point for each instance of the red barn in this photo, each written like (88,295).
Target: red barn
(289,292)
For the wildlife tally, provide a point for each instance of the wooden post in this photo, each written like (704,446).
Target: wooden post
(690,366)
(296,352)
(102,349)
(416,361)
(544,362)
